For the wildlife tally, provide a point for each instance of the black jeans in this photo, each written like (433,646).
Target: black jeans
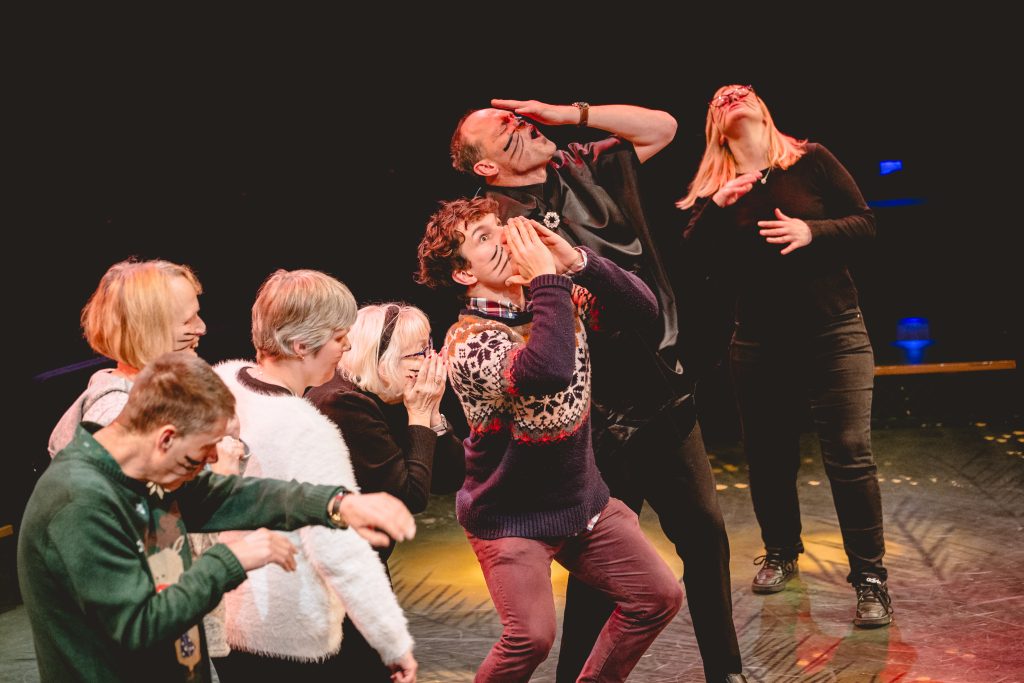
(669,469)
(832,366)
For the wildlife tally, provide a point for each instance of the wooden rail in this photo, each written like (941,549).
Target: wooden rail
(933,368)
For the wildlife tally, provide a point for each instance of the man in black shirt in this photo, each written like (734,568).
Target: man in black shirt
(646,438)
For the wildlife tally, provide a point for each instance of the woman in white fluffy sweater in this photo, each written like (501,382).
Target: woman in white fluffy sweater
(288,626)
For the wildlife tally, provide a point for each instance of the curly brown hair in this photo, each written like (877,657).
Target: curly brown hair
(439,250)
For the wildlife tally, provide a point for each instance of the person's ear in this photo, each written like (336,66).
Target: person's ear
(464,277)
(486,168)
(166,436)
(300,349)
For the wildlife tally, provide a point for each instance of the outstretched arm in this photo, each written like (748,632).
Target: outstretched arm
(649,130)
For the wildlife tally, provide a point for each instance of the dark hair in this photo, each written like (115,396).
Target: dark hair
(438,251)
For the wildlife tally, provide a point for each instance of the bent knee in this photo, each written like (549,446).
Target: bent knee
(533,641)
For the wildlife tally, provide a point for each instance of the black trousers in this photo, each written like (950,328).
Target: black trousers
(831,366)
(669,468)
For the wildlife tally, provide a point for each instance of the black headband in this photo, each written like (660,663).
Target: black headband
(390,318)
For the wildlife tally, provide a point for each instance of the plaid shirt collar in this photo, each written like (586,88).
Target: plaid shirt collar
(495,309)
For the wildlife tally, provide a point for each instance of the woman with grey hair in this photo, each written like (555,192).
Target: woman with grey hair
(288,626)
(386,400)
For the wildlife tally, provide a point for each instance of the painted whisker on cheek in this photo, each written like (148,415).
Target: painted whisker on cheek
(496,254)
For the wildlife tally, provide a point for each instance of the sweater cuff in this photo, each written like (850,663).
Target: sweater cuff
(551,280)
(234,572)
(422,440)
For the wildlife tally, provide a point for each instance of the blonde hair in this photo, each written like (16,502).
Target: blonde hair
(361,365)
(128,318)
(718,165)
(304,306)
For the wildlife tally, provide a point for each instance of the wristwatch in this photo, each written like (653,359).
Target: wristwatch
(443,427)
(334,508)
(584,113)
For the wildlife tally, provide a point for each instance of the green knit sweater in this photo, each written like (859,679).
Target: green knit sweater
(107,575)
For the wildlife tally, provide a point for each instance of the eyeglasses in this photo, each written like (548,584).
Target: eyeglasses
(728,96)
(426,349)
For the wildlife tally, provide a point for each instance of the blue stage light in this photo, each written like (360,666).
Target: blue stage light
(912,335)
(889,166)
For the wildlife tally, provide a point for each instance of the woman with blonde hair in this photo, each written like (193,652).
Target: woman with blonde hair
(289,625)
(386,400)
(139,311)
(783,217)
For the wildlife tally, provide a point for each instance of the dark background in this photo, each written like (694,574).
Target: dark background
(240,146)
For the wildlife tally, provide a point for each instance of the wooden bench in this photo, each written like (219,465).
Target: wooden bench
(934,368)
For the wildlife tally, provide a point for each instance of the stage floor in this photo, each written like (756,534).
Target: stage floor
(954,513)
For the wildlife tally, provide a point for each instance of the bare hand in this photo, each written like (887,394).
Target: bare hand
(263,547)
(730,193)
(378,517)
(423,393)
(529,255)
(549,114)
(404,669)
(566,256)
(231,454)
(786,230)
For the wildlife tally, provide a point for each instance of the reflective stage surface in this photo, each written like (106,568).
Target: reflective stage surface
(954,515)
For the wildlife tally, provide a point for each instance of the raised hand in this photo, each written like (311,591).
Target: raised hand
(566,256)
(529,254)
(792,232)
(730,193)
(549,114)
(422,396)
(263,547)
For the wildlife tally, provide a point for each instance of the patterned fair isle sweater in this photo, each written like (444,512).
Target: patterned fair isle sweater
(524,384)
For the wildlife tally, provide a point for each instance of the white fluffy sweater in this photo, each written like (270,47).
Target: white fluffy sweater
(298,615)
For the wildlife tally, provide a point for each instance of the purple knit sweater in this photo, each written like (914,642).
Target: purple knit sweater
(524,385)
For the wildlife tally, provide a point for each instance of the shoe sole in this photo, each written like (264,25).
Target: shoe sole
(777,588)
(872,623)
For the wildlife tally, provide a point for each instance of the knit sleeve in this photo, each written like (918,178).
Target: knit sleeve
(105,569)
(612,295)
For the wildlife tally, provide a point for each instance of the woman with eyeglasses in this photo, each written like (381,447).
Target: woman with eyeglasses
(386,399)
(782,218)
(288,626)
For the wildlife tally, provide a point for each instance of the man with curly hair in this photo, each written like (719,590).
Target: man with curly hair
(532,492)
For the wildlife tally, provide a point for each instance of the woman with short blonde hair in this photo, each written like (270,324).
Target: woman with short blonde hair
(140,311)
